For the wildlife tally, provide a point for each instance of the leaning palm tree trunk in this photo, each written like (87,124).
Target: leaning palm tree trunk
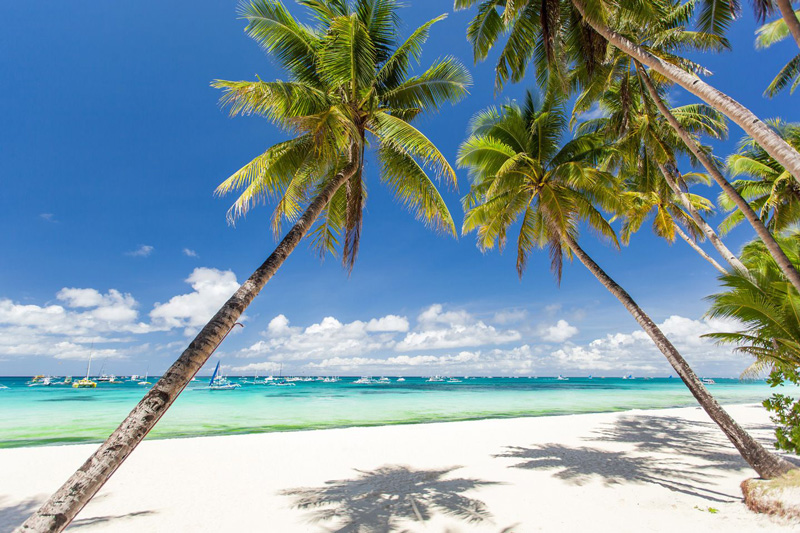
(765,463)
(699,250)
(709,232)
(785,7)
(763,233)
(61,508)
(772,143)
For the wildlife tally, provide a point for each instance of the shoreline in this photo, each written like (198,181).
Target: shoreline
(659,469)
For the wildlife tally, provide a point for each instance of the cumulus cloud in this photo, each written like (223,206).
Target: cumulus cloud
(560,332)
(211,289)
(64,330)
(142,251)
(439,329)
(325,338)
(635,352)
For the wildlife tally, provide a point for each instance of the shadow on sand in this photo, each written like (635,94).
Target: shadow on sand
(689,453)
(82,522)
(13,515)
(376,501)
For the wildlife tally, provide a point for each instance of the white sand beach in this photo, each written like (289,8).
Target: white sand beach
(664,470)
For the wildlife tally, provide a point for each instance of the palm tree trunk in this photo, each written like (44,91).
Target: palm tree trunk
(699,250)
(765,463)
(761,230)
(56,514)
(788,14)
(709,232)
(787,156)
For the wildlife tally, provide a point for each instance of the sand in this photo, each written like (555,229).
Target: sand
(665,470)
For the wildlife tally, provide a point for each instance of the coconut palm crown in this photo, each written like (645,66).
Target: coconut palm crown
(521,171)
(349,87)
(771,191)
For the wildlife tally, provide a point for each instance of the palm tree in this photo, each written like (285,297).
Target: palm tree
(765,307)
(641,199)
(646,151)
(772,193)
(348,85)
(535,27)
(772,33)
(666,37)
(716,15)
(520,172)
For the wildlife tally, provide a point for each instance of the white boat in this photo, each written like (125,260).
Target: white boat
(562,378)
(629,376)
(384,379)
(283,383)
(144,382)
(401,379)
(3,387)
(435,379)
(708,381)
(331,379)
(454,380)
(363,380)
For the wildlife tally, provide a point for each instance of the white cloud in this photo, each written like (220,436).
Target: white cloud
(509,316)
(388,323)
(635,352)
(83,317)
(330,337)
(560,332)
(65,331)
(48,217)
(255,368)
(143,251)
(212,288)
(439,329)
(188,252)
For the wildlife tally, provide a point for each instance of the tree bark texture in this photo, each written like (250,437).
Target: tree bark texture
(788,14)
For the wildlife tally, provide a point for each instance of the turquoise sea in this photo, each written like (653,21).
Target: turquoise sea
(59,414)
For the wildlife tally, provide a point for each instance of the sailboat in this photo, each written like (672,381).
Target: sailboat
(86,383)
(144,381)
(219,382)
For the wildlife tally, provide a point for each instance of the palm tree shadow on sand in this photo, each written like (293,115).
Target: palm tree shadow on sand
(377,501)
(11,516)
(695,451)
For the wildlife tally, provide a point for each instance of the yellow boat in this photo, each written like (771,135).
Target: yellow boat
(84,383)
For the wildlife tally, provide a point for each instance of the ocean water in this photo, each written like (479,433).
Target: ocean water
(59,414)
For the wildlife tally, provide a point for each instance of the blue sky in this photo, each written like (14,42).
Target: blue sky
(112,144)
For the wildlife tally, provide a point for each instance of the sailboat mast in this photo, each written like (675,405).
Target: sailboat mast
(89,364)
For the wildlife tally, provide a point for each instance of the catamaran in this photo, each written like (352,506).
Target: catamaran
(86,383)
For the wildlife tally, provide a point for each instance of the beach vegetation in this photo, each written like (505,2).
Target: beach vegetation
(767,310)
